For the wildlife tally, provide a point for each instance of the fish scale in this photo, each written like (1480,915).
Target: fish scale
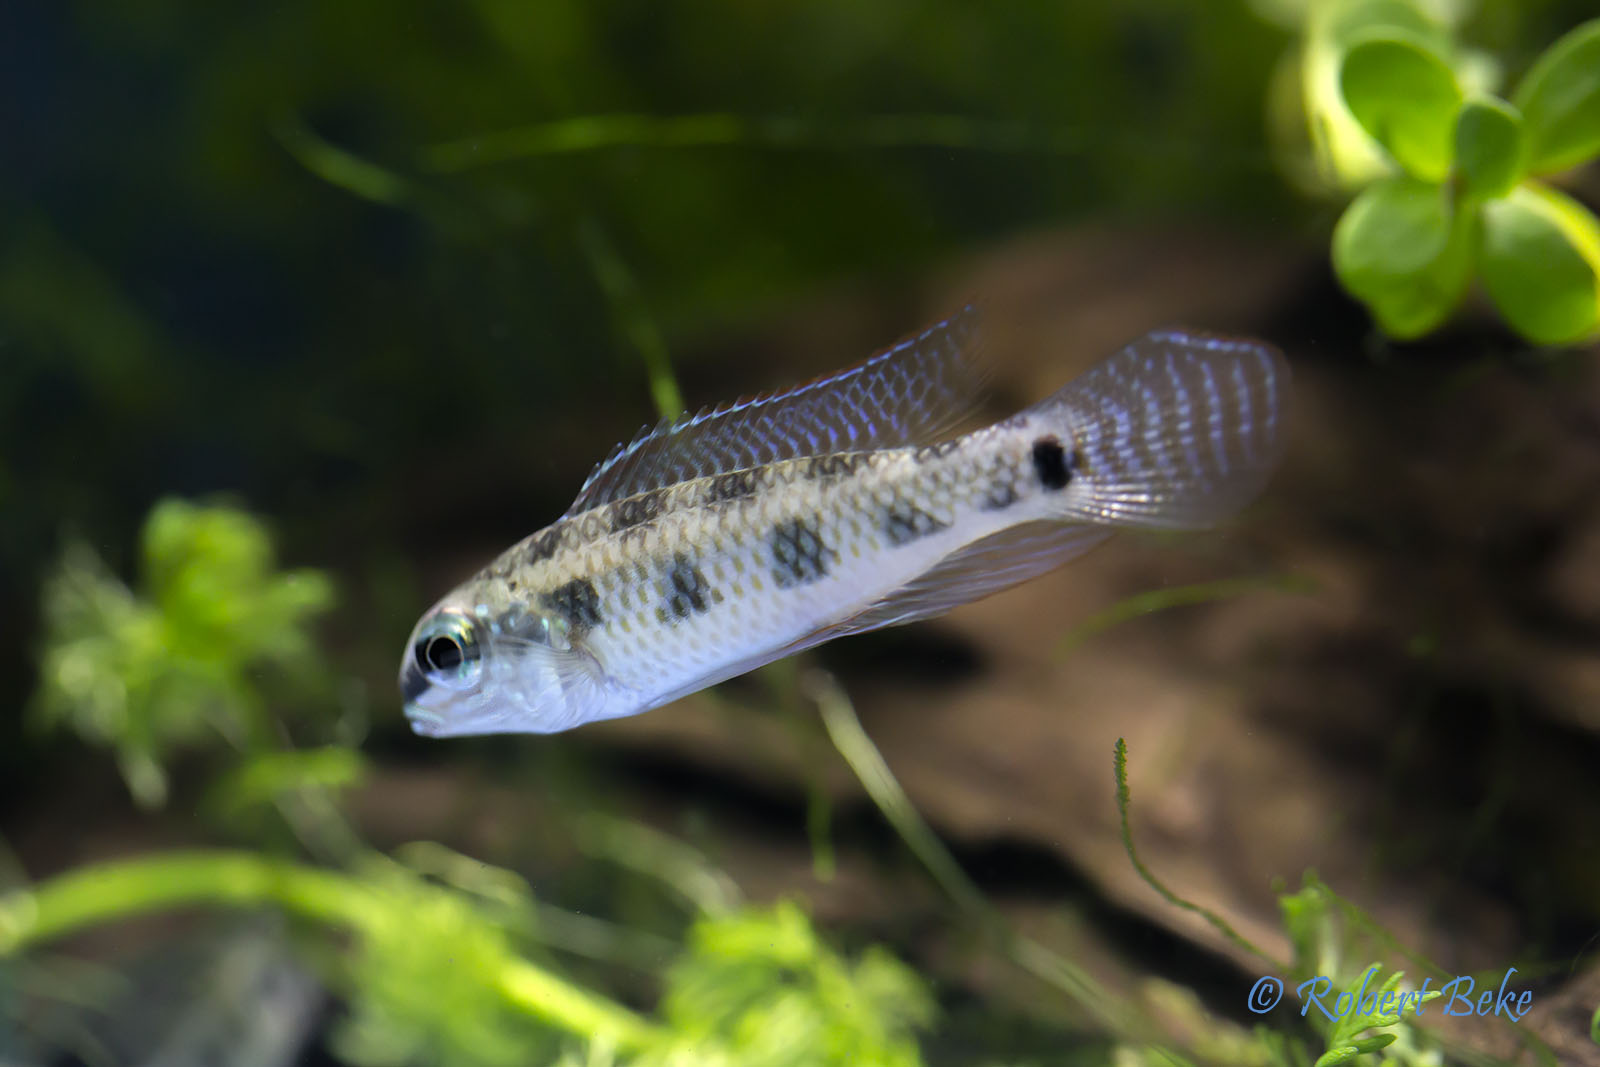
(762,587)
(685,562)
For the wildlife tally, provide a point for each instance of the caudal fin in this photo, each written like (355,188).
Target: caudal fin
(1178,430)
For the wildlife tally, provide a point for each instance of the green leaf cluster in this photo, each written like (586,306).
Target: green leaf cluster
(424,986)
(1322,146)
(437,970)
(1463,199)
(1325,932)
(1324,941)
(148,671)
(761,984)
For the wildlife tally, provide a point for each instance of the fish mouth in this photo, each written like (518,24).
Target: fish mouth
(413,685)
(425,722)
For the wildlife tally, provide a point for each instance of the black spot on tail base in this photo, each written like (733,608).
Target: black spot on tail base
(576,601)
(1052,463)
(690,592)
(798,554)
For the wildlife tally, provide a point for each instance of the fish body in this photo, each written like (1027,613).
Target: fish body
(718,543)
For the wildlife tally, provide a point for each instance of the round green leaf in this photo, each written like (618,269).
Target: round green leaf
(1560,101)
(1490,148)
(1345,24)
(1406,97)
(1403,251)
(1316,127)
(1541,264)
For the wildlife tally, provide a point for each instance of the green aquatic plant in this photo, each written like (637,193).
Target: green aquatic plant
(437,973)
(1155,600)
(432,980)
(1459,190)
(1322,944)
(845,731)
(431,974)
(1124,802)
(150,670)
(763,985)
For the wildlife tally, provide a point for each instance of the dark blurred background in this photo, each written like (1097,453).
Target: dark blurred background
(290,254)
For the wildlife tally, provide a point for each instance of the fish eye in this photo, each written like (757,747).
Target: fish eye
(443,653)
(447,650)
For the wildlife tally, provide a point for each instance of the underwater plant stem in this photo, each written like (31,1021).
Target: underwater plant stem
(1221,925)
(1155,600)
(633,317)
(588,133)
(125,888)
(641,848)
(573,1008)
(844,728)
(783,683)
(338,167)
(819,820)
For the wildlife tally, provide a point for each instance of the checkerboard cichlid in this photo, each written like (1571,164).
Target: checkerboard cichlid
(729,539)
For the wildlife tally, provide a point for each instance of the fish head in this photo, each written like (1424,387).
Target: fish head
(472,667)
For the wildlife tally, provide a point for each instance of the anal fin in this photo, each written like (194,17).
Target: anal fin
(985,566)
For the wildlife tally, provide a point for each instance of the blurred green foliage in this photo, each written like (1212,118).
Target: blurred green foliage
(1455,197)
(146,672)
(437,974)
(1326,943)
(425,986)
(762,984)
(1327,935)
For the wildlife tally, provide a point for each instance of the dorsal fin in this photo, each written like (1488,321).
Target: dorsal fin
(907,394)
